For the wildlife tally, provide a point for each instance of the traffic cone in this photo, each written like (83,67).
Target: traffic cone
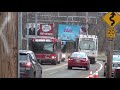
(96,74)
(90,75)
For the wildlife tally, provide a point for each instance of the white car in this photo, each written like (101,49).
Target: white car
(115,64)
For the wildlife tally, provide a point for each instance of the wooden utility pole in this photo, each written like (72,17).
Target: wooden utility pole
(8,44)
(109,58)
(112,19)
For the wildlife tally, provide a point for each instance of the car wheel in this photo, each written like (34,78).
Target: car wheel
(41,63)
(32,74)
(40,75)
(54,62)
(58,62)
(69,67)
(104,74)
(88,67)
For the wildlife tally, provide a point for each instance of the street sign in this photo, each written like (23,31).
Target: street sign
(112,19)
(111,33)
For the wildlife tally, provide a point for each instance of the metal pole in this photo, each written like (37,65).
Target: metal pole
(36,24)
(96,23)
(27,33)
(87,22)
(109,58)
(21,30)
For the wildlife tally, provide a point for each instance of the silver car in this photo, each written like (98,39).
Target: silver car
(115,64)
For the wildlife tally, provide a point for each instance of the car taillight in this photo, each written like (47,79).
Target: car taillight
(28,64)
(70,59)
(117,70)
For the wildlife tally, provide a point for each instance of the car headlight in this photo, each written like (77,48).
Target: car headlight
(53,57)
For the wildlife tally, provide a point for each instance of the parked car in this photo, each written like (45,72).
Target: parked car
(117,73)
(116,52)
(115,64)
(78,59)
(29,65)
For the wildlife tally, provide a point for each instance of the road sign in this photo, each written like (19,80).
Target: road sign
(112,19)
(111,33)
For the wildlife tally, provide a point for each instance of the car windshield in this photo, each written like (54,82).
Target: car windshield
(23,57)
(78,55)
(87,45)
(116,58)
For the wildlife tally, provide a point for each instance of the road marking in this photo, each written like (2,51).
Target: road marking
(56,71)
(101,66)
(54,67)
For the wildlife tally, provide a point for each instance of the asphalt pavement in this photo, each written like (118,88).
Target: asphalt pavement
(61,71)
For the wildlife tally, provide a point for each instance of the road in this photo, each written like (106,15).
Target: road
(61,71)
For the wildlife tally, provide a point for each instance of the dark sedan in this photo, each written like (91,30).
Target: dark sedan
(29,66)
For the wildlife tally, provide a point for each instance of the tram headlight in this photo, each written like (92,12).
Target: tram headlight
(63,55)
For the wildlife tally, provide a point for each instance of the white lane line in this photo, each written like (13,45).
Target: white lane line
(54,67)
(53,72)
(56,71)
(101,66)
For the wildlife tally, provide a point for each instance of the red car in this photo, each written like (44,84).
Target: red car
(79,59)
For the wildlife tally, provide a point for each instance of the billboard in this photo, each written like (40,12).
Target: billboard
(68,32)
(46,30)
(42,29)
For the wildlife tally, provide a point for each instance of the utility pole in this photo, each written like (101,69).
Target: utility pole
(8,44)
(87,22)
(27,34)
(109,58)
(112,18)
(36,24)
(96,23)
